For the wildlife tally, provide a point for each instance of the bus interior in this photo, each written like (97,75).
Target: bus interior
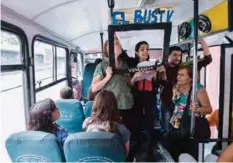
(47,44)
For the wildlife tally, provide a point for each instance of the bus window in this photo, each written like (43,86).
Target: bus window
(80,67)
(44,63)
(91,57)
(73,62)
(156,54)
(10,49)
(51,92)
(61,63)
(50,70)
(12,92)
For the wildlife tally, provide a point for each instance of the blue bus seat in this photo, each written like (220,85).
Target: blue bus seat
(88,109)
(94,147)
(34,146)
(87,79)
(71,115)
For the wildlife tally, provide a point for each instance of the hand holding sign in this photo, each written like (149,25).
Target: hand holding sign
(146,74)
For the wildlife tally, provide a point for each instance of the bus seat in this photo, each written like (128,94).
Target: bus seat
(88,109)
(87,79)
(94,147)
(71,114)
(34,146)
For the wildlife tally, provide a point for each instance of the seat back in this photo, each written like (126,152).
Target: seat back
(87,79)
(34,146)
(88,109)
(71,115)
(94,147)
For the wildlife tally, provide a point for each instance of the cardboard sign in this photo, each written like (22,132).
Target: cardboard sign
(155,14)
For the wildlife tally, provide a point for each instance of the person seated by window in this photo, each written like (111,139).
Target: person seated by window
(66,93)
(105,117)
(42,117)
(98,60)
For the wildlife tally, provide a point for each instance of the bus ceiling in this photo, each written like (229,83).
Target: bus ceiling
(76,21)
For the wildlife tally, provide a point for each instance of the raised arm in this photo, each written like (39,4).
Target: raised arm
(207,56)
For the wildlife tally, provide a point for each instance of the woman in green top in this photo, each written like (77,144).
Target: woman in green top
(174,143)
(119,84)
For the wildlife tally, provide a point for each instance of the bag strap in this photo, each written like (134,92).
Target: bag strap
(188,102)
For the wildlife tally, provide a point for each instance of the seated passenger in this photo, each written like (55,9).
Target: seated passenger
(97,61)
(66,93)
(105,117)
(174,143)
(42,117)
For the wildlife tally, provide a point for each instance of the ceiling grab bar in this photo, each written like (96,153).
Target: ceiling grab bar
(195,51)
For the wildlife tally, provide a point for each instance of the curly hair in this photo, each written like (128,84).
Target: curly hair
(40,118)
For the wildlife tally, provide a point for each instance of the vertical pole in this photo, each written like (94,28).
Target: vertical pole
(192,128)
(110,13)
(111,4)
(102,43)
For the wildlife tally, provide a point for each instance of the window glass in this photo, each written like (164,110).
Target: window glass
(91,57)
(51,92)
(44,63)
(10,49)
(61,63)
(80,67)
(11,89)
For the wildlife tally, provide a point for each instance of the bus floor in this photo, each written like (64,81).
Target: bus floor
(160,154)
(157,154)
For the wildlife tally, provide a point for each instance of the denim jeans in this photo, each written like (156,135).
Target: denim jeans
(166,111)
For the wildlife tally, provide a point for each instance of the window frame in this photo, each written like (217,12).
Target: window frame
(68,66)
(24,66)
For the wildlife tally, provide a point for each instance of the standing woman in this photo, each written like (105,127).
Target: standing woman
(119,84)
(145,96)
(175,143)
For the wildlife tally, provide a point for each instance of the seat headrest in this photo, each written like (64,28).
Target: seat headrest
(94,147)
(71,114)
(36,146)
